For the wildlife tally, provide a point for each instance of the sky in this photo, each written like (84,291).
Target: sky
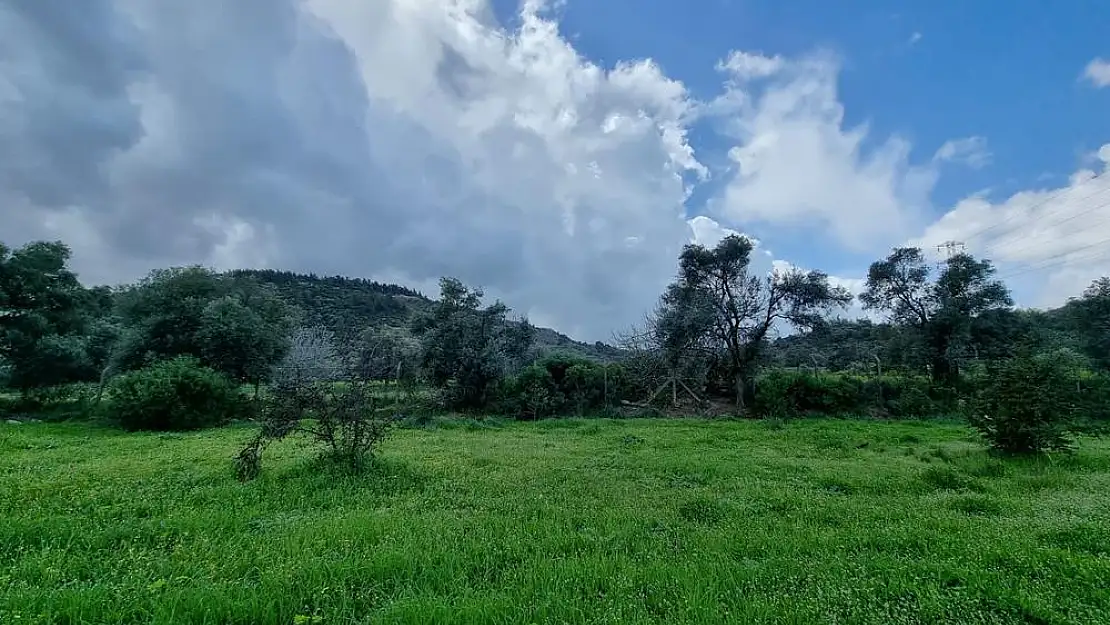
(557,153)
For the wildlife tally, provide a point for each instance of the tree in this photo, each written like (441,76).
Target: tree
(718,307)
(41,315)
(239,341)
(1090,315)
(469,347)
(388,353)
(941,311)
(233,325)
(351,418)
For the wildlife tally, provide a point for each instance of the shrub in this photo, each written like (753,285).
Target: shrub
(789,393)
(348,415)
(562,384)
(785,393)
(177,394)
(535,392)
(1094,401)
(901,396)
(1027,405)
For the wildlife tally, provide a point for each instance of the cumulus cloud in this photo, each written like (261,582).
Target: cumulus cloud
(409,139)
(1050,243)
(1098,73)
(794,162)
(970,151)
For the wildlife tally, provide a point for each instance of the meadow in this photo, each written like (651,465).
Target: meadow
(558,521)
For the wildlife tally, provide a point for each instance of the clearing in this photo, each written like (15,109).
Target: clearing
(561,521)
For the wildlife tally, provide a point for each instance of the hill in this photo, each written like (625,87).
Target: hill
(344,304)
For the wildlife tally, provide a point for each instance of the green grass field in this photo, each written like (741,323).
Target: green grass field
(568,521)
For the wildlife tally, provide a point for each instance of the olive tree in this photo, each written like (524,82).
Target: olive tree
(467,348)
(940,309)
(720,307)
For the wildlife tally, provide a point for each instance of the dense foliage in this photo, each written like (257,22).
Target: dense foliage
(468,349)
(175,395)
(940,313)
(723,340)
(563,384)
(785,393)
(233,325)
(43,317)
(1027,405)
(719,313)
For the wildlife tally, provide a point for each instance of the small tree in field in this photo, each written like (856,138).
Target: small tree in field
(1027,405)
(317,391)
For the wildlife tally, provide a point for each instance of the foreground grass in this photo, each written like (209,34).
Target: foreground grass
(555,522)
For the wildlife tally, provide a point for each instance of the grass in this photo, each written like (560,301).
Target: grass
(569,521)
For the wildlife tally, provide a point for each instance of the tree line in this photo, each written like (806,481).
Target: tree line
(718,340)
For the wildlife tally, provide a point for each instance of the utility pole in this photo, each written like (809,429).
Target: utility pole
(951,248)
(948,249)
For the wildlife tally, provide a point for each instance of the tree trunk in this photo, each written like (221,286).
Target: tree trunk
(744,387)
(944,371)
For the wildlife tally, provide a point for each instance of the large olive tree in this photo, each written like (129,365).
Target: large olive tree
(940,309)
(719,307)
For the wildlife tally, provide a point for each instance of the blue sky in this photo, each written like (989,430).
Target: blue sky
(558,153)
(927,71)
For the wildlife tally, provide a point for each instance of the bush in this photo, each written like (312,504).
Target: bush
(788,394)
(174,395)
(331,403)
(562,384)
(1094,401)
(784,394)
(901,396)
(1027,405)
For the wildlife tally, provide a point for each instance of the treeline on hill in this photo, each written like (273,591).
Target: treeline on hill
(348,305)
(340,359)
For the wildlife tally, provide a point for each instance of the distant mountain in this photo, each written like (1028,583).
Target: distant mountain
(344,304)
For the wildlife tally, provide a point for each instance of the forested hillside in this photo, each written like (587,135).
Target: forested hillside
(344,305)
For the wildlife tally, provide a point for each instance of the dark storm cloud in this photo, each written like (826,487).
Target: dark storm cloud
(64,108)
(165,127)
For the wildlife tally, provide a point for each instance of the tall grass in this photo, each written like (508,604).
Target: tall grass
(572,521)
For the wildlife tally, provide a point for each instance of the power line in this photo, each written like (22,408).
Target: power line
(1060,259)
(1037,205)
(995,247)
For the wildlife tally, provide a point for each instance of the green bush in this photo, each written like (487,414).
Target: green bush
(176,395)
(789,394)
(1027,405)
(784,394)
(901,396)
(5,374)
(1094,400)
(562,384)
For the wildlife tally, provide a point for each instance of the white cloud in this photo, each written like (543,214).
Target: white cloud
(1051,243)
(914,38)
(409,139)
(743,66)
(970,151)
(1098,72)
(794,162)
(707,232)
(400,138)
